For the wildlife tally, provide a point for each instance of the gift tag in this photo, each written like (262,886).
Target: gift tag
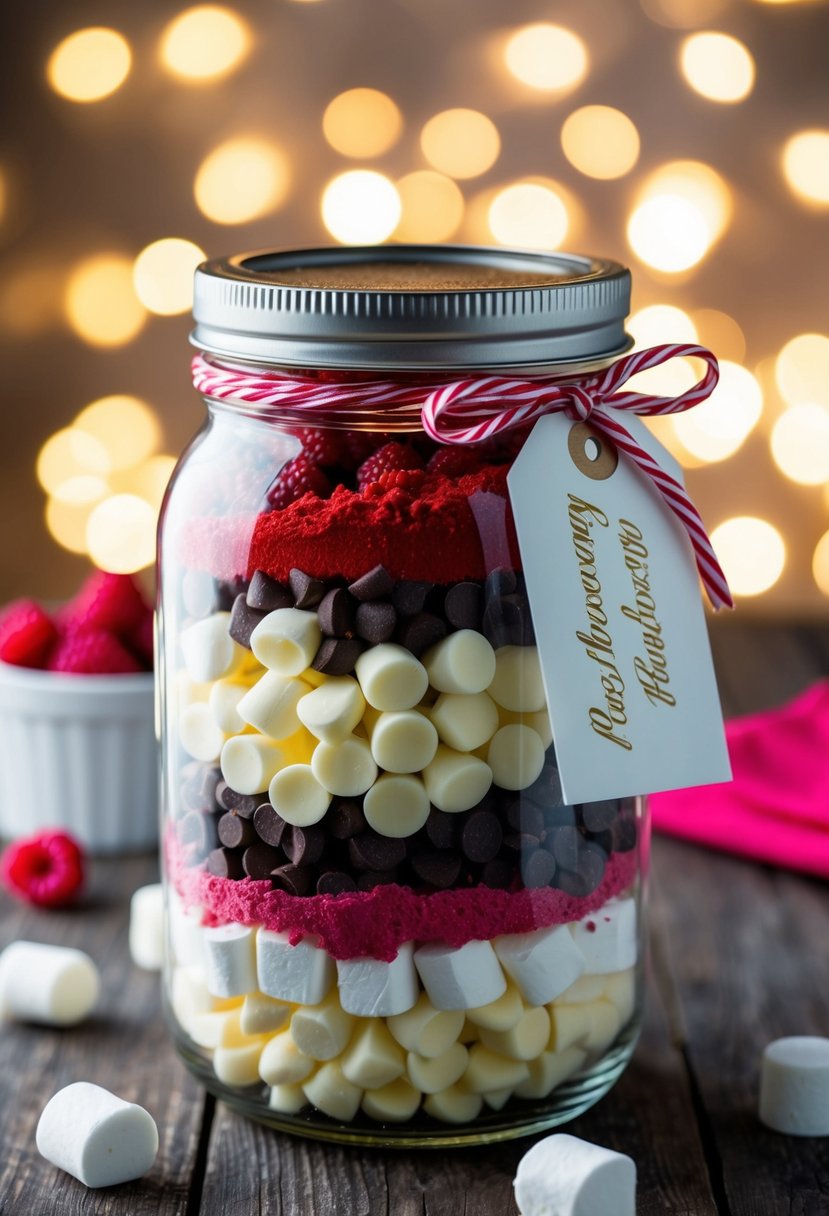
(618,616)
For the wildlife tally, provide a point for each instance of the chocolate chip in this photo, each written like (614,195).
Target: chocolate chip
(266,594)
(564,843)
(420,632)
(500,581)
(498,874)
(196,794)
(334,882)
(377,584)
(409,598)
(375,622)
(558,817)
(242,804)
(464,605)
(336,614)
(303,846)
(259,860)
(307,591)
(243,621)
(292,879)
(520,842)
(624,833)
(441,828)
(269,824)
(226,593)
(587,874)
(344,820)
(234,831)
(597,816)
(436,867)
(371,851)
(376,878)
(481,836)
(537,868)
(603,839)
(525,817)
(337,656)
(224,863)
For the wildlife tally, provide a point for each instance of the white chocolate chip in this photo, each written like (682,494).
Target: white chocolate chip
(391,677)
(392,1103)
(51,985)
(396,805)
(488,1070)
(346,769)
(298,796)
(605,1024)
(248,763)
(332,1093)
(569,1025)
(97,1137)
(570,1177)
(620,990)
(550,1069)
(333,710)
(146,932)
(456,781)
(465,721)
(322,1031)
(282,1063)
(403,741)
(523,1041)
(287,640)
(463,662)
(430,1074)
(516,757)
(208,649)
(262,1014)
(517,684)
(372,1058)
(199,734)
(794,1086)
(425,1030)
(238,1066)
(287,1099)
(501,1014)
(454,1105)
(271,705)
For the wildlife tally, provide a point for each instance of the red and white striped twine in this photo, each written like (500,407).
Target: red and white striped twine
(476,408)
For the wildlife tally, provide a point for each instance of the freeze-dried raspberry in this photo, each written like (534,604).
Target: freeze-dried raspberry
(92,652)
(112,602)
(46,869)
(299,476)
(455,462)
(323,447)
(387,459)
(26,634)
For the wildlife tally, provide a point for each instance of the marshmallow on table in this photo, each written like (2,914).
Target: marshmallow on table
(516,757)
(396,805)
(607,937)
(249,762)
(297,795)
(270,706)
(456,781)
(373,1058)
(332,710)
(302,974)
(199,733)
(146,936)
(461,977)
(465,721)
(517,684)
(230,960)
(287,640)
(391,678)
(95,1136)
(571,1177)
(463,662)
(425,1030)
(208,649)
(52,985)
(403,741)
(346,769)
(543,963)
(374,989)
(794,1086)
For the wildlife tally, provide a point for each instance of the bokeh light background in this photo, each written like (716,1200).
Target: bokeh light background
(688,138)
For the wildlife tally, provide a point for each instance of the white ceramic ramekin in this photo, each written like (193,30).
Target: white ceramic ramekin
(79,753)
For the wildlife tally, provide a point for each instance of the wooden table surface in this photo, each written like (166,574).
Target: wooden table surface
(739,956)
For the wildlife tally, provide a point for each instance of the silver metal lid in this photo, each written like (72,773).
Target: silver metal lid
(412,307)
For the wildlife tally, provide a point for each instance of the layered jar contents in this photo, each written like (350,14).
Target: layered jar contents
(381,910)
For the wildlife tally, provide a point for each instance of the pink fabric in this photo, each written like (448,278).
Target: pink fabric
(777,807)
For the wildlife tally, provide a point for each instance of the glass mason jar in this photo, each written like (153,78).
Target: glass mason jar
(385,924)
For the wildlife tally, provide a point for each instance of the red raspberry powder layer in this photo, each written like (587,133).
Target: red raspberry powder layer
(374,924)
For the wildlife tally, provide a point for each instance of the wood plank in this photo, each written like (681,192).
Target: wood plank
(124,1047)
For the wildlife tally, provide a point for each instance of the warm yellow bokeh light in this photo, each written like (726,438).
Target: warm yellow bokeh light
(720,333)
(806,165)
(547,57)
(820,564)
(77,491)
(717,66)
(800,444)
(668,233)
(716,428)
(752,554)
(67,522)
(4,194)
(204,42)
(125,427)
(362,123)
(100,301)
(528,215)
(89,65)
(163,275)
(683,14)
(241,180)
(700,184)
(432,207)
(802,369)
(600,141)
(120,534)
(70,453)
(660,323)
(461,143)
(148,480)
(360,207)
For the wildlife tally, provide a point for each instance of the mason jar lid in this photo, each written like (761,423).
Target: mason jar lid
(412,307)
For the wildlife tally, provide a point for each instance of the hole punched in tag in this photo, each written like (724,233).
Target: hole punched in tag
(592,454)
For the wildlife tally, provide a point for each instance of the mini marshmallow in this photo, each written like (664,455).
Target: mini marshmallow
(604,1025)
(95,1136)
(208,1029)
(262,1014)
(208,649)
(198,592)
(523,1041)
(332,1093)
(333,710)
(460,977)
(287,1099)
(146,933)
(517,683)
(370,988)
(465,721)
(224,699)
(199,734)
(238,1066)
(345,769)
(430,1074)
(569,1025)
(186,937)
(298,796)
(463,662)
(249,763)
(230,960)
(587,988)
(454,1105)
(516,757)
(287,640)
(543,963)
(425,1030)
(322,1031)
(392,1103)
(456,781)
(607,938)
(488,1070)
(549,1070)
(302,974)
(496,1099)
(391,677)
(271,705)
(501,1014)
(186,692)
(570,1177)
(794,1086)
(404,741)
(373,1058)
(620,990)
(282,1063)
(191,1000)
(50,985)
(396,805)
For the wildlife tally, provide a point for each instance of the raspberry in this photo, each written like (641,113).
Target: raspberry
(46,869)
(112,602)
(401,479)
(454,462)
(299,476)
(360,444)
(322,447)
(92,652)
(386,459)
(26,634)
